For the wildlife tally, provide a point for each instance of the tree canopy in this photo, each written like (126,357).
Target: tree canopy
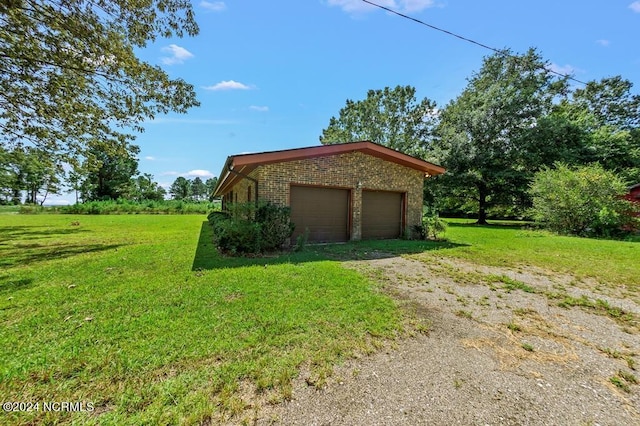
(514,117)
(180,188)
(390,117)
(69,74)
(486,134)
(608,114)
(108,175)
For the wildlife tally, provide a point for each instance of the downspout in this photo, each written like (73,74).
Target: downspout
(255,181)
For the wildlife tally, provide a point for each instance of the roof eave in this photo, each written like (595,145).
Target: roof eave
(248,162)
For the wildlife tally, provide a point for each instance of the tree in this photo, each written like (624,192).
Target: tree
(211,184)
(610,116)
(6,176)
(109,174)
(74,182)
(180,188)
(584,201)
(390,117)
(37,173)
(198,189)
(146,189)
(69,74)
(488,138)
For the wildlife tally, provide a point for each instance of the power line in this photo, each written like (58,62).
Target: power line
(468,40)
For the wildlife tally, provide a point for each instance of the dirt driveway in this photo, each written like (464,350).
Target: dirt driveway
(504,346)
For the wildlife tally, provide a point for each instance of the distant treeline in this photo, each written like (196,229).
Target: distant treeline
(123,206)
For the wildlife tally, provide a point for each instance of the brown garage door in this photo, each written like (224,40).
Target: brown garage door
(325,211)
(381,214)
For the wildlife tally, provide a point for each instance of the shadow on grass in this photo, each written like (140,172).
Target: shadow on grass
(493,225)
(207,257)
(34,232)
(9,285)
(17,249)
(33,253)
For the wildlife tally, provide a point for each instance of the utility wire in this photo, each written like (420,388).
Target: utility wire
(468,40)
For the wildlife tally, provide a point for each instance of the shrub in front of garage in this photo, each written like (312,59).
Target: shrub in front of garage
(250,228)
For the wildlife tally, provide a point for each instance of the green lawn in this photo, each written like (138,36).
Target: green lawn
(512,244)
(140,317)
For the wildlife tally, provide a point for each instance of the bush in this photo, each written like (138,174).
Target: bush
(247,228)
(432,226)
(585,201)
(276,226)
(235,236)
(216,216)
(301,240)
(123,206)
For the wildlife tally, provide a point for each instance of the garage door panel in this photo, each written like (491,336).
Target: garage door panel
(381,214)
(324,211)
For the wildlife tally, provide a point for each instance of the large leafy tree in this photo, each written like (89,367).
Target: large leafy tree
(198,189)
(6,176)
(211,184)
(180,188)
(609,114)
(109,174)
(489,139)
(69,74)
(390,117)
(36,173)
(145,188)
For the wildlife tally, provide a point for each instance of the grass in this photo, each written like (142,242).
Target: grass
(464,314)
(527,347)
(624,380)
(10,209)
(620,383)
(512,245)
(514,327)
(612,264)
(598,305)
(139,316)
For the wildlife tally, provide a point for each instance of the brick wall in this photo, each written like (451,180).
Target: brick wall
(354,170)
(241,190)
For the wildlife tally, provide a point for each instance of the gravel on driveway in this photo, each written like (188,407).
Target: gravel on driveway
(500,350)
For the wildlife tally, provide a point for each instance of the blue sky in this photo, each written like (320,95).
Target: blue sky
(270,74)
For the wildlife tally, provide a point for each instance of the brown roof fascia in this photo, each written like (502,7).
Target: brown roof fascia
(245,163)
(228,179)
(324,150)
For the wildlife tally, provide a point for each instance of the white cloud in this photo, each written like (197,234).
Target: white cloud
(635,6)
(603,42)
(227,85)
(416,5)
(199,173)
(150,158)
(178,54)
(566,69)
(358,6)
(216,6)
(259,108)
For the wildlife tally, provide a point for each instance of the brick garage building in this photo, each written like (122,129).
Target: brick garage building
(352,191)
